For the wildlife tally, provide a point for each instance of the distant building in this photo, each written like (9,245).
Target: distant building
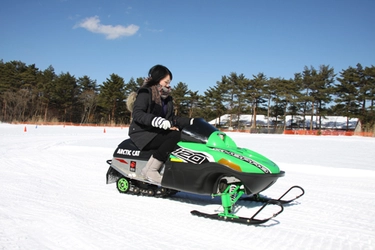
(327,122)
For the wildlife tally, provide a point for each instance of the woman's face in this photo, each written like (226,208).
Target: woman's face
(166,81)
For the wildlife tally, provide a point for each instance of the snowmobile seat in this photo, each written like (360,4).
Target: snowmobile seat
(127,149)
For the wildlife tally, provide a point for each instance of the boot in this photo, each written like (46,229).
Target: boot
(151,170)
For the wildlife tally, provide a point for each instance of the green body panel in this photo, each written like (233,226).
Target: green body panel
(221,147)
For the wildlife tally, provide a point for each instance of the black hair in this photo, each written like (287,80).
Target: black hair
(156,73)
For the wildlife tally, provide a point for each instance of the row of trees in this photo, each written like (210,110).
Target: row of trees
(316,92)
(30,94)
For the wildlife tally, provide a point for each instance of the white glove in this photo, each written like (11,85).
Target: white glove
(160,122)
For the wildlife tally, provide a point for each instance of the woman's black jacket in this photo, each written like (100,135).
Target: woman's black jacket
(145,109)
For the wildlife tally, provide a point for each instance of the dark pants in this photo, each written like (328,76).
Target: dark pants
(164,143)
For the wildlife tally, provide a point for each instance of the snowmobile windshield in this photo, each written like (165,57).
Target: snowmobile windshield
(198,132)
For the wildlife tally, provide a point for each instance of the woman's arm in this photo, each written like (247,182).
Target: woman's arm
(141,107)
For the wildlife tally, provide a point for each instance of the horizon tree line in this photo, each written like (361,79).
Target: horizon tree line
(28,94)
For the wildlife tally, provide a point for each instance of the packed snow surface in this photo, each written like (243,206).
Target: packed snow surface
(54,195)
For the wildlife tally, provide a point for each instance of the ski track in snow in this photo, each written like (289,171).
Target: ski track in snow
(53,195)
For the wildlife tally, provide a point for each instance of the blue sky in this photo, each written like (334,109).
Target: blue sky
(198,40)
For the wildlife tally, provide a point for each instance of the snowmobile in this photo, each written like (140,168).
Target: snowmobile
(206,162)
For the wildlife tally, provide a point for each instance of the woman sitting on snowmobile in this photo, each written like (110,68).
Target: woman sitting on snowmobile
(154,125)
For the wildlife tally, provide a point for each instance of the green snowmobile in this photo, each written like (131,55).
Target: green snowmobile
(206,162)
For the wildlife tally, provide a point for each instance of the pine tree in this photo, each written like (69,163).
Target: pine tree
(87,97)
(112,99)
(180,97)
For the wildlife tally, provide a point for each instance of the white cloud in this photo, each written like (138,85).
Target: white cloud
(93,24)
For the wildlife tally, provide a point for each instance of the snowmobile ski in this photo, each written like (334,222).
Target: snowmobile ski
(259,198)
(229,197)
(243,220)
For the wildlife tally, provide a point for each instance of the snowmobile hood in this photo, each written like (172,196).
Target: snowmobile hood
(202,138)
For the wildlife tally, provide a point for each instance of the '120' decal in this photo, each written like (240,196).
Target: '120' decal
(190,156)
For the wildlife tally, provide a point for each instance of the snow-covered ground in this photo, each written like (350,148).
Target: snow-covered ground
(53,195)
